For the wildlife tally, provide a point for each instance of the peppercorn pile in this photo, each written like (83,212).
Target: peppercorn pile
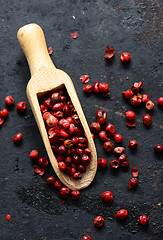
(66,134)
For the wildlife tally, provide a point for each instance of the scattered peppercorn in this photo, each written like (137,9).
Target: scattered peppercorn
(99,221)
(87,88)
(64,192)
(107,196)
(114,164)
(109,52)
(101,117)
(86,237)
(17,138)
(130,115)
(43,162)
(21,107)
(158,148)
(75,194)
(34,155)
(102,163)
(160,101)
(122,158)
(149,105)
(122,214)
(103,136)
(8,217)
(125,57)
(118,138)
(9,101)
(110,129)
(143,220)
(95,127)
(119,150)
(50,180)
(58,184)
(147,120)
(4,113)
(133,144)
(108,146)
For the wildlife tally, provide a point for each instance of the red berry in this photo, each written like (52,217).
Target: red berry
(125,165)
(9,101)
(75,194)
(1,120)
(107,196)
(101,117)
(108,146)
(93,136)
(50,180)
(114,164)
(119,150)
(102,163)
(149,105)
(147,120)
(136,86)
(130,115)
(96,87)
(95,127)
(125,57)
(8,217)
(110,129)
(17,138)
(158,148)
(160,101)
(143,220)
(64,192)
(103,136)
(85,159)
(109,52)
(118,138)
(86,237)
(133,144)
(122,214)
(43,162)
(133,182)
(21,107)
(77,175)
(4,113)
(34,155)
(128,94)
(57,184)
(103,87)
(122,158)
(56,97)
(135,101)
(99,221)
(145,98)
(43,108)
(87,88)
(62,166)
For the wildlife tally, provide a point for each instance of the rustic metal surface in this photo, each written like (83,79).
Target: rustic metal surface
(127,25)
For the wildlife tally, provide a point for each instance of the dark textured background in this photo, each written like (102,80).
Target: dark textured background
(127,25)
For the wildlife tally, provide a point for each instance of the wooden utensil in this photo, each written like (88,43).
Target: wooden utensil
(45,77)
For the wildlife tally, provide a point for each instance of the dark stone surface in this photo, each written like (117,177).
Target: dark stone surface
(127,25)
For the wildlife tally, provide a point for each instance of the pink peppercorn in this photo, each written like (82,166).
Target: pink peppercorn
(17,138)
(34,155)
(160,101)
(4,113)
(21,107)
(9,101)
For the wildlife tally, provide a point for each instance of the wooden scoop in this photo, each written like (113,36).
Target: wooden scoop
(45,77)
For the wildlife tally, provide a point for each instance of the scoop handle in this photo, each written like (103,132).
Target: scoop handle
(32,41)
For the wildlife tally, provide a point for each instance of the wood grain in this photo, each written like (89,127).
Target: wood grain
(45,77)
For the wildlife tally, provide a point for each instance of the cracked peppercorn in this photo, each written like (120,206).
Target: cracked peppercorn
(99,221)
